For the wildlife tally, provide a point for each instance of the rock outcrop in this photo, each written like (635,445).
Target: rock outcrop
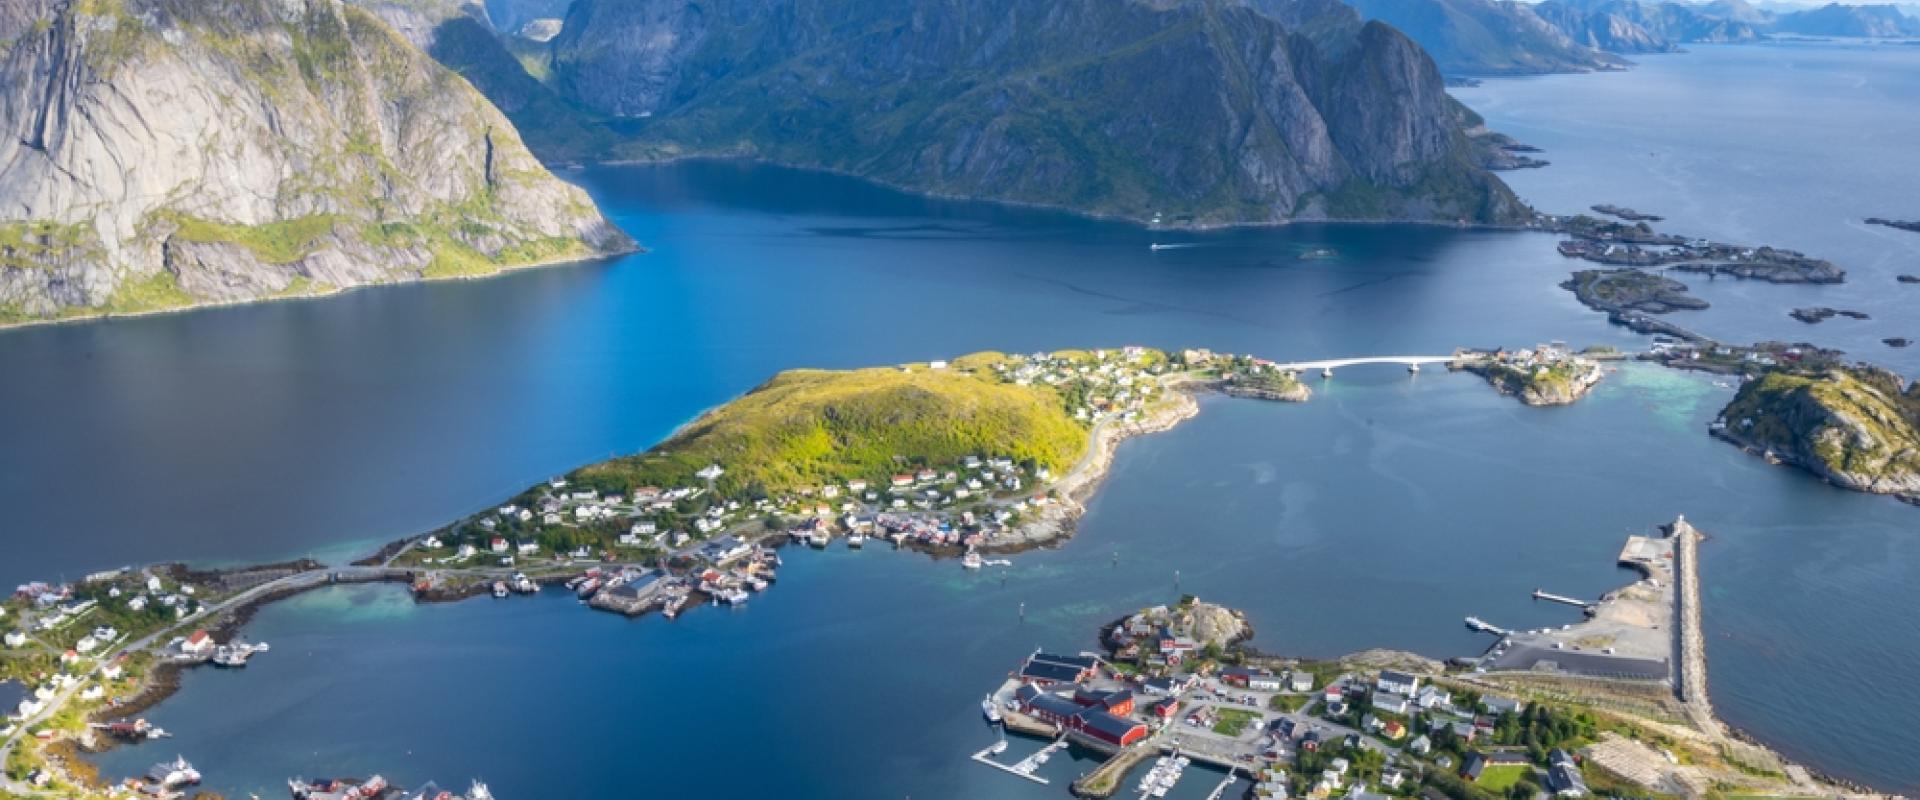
(1858,427)
(166,153)
(1200,112)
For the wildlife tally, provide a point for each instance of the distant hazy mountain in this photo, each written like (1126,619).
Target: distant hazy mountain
(1200,110)
(165,153)
(1486,37)
(1634,26)
(1835,19)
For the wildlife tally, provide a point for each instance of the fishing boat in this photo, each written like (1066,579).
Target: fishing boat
(990,709)
(998,747)
(856,540)
(173,774)
(499,588)
(337,789)
(972,560)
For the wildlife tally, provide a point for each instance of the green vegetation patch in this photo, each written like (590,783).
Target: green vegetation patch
(1234,721)
(1856,421)
(282,242)
(810,427)
(1501,777)
(40,245)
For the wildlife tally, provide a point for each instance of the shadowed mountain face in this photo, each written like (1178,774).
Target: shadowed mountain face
(1487,37)
(1208,112)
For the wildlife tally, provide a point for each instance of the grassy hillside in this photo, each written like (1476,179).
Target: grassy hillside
(1857,426)
(809,427)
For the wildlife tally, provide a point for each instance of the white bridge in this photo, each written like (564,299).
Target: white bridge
(1412,363)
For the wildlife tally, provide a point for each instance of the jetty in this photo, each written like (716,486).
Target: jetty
(1221,790)
(1484,626)
(1542,594)
(1026,766)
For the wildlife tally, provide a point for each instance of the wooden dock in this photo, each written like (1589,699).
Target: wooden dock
(1026,766)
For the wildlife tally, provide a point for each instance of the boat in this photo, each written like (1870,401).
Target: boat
(991,710)
(337,789)
(734,597)
(232,656)
(173,774)
(856,540)
(499,588)
(260,648)
(972,560)
(587,589)
(998,747)
(818,539)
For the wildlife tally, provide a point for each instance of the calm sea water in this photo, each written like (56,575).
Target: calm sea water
(1378,515)
(1791,145)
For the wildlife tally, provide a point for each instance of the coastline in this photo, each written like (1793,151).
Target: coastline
(1145,223)
(333,291)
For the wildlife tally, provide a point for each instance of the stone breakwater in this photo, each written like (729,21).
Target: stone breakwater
(1691,684)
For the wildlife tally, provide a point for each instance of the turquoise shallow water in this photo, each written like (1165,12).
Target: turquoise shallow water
(1378,515)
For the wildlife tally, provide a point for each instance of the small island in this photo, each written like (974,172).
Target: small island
(1626,213)
(1545,375)
(1623,290)
(1817,315)
(1618,244)
(1911,226)
(1858,426)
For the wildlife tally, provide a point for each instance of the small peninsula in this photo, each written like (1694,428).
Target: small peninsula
(1858,427)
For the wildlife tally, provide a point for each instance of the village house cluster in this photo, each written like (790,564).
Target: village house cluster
(965,504)
(1165,687)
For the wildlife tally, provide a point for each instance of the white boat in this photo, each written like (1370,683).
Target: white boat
(856,540)
(972,560)
(988,708)
(998,747)
(174,774)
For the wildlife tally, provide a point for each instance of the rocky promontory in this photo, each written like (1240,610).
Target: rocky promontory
(1858,427)
(1901,224)
(1265,383)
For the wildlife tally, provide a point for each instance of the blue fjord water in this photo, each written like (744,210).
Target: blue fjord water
(1378,515)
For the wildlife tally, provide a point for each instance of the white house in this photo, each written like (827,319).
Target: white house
(1398,682)
(16,639)
(529,548)
(199,643)
(1300,680)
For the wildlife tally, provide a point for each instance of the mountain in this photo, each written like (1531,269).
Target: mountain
(1203,111)
(1487,37)
(167,153)
(1835,19)
(1635,26)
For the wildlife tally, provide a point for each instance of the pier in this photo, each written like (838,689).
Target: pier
(1221,790)
(1541,594)
(1484,626)
(1027,765)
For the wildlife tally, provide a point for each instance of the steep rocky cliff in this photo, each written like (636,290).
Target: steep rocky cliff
(165,153)
(1203,111)
(1857,427)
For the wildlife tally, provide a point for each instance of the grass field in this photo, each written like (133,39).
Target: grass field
(1498,779)
(1234,721)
